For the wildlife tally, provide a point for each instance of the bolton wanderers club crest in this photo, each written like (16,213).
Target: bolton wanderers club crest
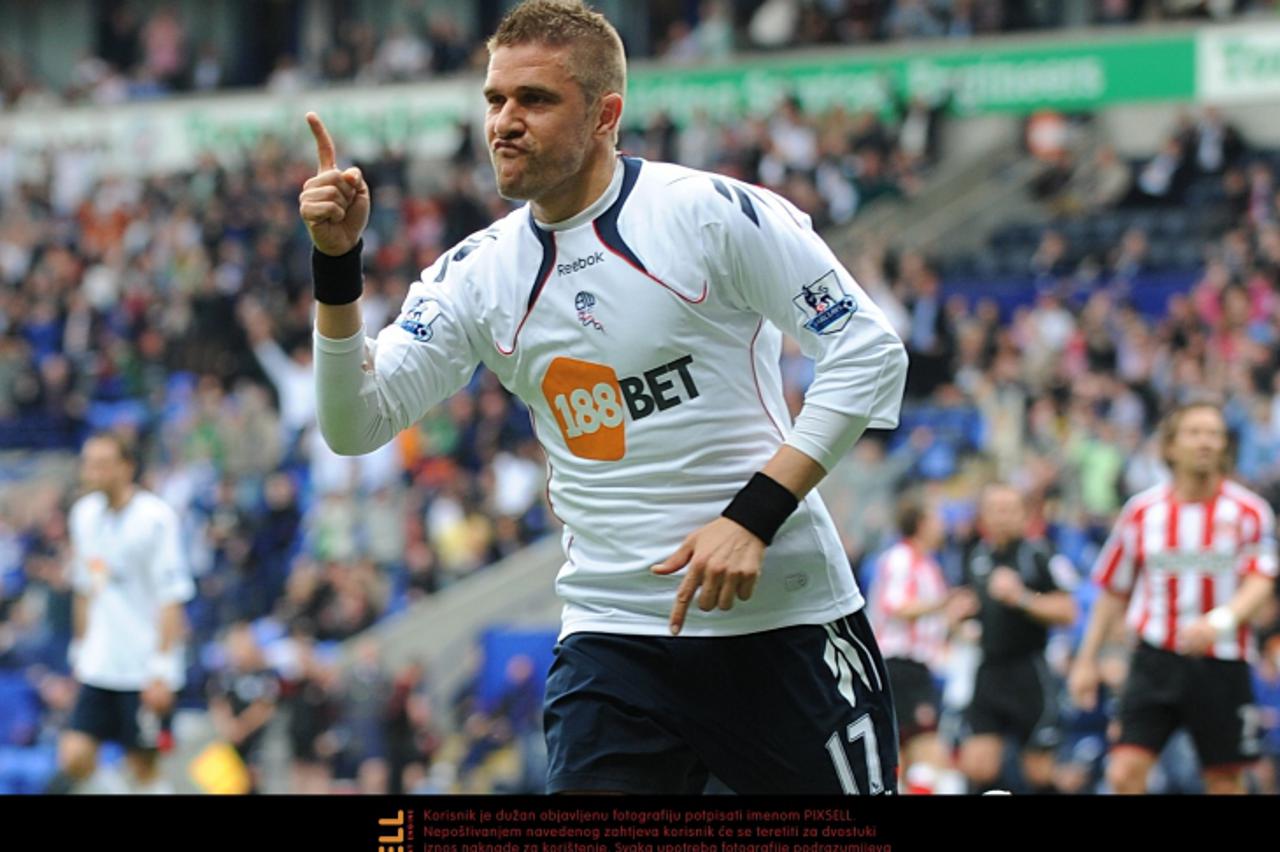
(826,304)
(585,302)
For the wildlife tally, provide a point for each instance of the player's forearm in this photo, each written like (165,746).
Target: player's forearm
(918,609)
(255,716)
(338,322)
(172,627)
(1252,595)
(224,721)
(794,471)
(1107,610)
(1053,609)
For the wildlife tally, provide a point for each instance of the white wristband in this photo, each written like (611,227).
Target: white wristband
(168,667)
(1223,620)
(73,653)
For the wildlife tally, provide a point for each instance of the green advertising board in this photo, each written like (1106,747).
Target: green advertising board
(1022,78)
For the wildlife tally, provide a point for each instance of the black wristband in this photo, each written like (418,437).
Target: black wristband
(761,506)
(338,280)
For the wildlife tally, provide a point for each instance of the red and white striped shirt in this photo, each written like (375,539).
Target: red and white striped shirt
(905,577)
(1180,560)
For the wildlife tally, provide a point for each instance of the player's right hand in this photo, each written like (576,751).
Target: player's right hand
(1083,684)
(334,204)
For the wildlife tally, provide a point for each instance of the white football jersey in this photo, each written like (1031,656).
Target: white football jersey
(129,564)
(644,336)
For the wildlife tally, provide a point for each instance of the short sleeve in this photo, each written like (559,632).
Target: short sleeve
(169,573)
(81,578)
(1116,568)
(1259,540)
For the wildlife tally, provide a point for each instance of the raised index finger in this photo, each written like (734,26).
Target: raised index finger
(324,143)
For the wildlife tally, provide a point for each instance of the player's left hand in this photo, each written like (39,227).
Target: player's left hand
(1005,586)
(724,560)
(158,697)
(1197,637)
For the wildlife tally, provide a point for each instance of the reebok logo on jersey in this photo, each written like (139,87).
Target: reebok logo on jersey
(579,264)
(826,304)
(591,404)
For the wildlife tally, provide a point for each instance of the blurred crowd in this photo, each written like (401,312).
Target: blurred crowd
(141,51)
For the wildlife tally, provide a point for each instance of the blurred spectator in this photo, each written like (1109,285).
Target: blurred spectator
(1098,184)
(313,711)
(366,693)
(402,55)
(931,344)
(208,73)
(1216,145)
(164,41)
(910,19)
(919,127)
(774,24)
(287,78)
(243,697)
(411,736)
(1163,179)
(1266,685)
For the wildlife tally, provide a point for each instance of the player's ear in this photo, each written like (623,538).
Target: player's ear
(609,116)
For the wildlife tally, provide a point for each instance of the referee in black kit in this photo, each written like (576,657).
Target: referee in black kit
(1018,589)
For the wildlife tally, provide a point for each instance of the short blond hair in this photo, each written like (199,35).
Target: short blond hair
(598,60)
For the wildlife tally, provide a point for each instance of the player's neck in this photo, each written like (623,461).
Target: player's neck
(579,192)
(118,498)
(1193,488)
(920,546)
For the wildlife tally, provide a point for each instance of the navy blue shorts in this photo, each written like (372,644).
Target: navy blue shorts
(110,715)
(803,709)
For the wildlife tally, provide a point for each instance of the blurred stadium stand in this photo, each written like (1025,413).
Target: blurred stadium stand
(1048,321)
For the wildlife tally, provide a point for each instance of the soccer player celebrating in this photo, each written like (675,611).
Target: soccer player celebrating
(637,309)
(130,582)
(1192,561)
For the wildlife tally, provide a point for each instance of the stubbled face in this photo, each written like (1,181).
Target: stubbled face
(102,468)
(1199,443)
(1003,516)
(538,126)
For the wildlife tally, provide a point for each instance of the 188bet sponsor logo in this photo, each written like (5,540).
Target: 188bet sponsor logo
(591,404)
